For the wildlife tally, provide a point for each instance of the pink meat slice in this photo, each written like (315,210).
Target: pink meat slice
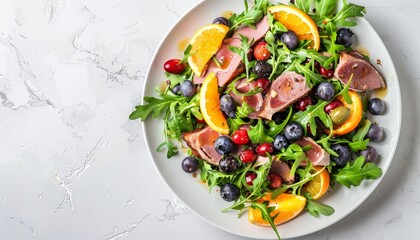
(284,91)
(255,101)
(317,155)
(231,63)
(201,142)
(365,75)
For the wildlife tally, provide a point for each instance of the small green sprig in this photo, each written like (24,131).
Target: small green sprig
(352,174)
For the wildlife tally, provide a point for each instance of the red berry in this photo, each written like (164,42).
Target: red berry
(275,180)
(327,73)
(332,105)
(240,137)
(174,66)
(248,156)
(249,177)
(261,52)
(202,121)
(303,103)
(264,84)
(264,148)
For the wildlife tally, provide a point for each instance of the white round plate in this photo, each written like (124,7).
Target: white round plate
(207,205)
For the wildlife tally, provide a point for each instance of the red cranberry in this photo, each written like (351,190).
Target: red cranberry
(261,52)
(327,73)
(303,103)
(263,83)
(275,180)
(240,137)
(174,66)
(202,121)
(332,105)
(264,148)
(248,156)
(249,177)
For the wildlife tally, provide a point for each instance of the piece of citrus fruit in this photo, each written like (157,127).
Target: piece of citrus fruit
(356,114)
(210,105)
(288,206)
(297,21)
(204,44)
(319,185)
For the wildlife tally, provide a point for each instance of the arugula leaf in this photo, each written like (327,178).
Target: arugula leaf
(241,113)
(266,214)
(277,128)
(175,79)
(348,10)
(325,7)
(315,209)
(309,116)
(353,174)
(303,5)
(363,130)
(187,53)
(171,149)
(255,191)
(257,133)
(243,52)
(155,106)
(250,16)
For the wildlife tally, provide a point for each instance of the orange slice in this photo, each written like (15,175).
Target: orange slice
(210,105)
(319,185)
(204,44)
(356,114)
(287,205)
(297,21)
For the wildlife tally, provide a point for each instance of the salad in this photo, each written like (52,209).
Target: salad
(272,106)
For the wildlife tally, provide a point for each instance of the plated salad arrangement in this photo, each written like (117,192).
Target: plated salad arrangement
(271,106)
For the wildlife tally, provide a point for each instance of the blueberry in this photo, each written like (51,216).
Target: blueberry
(227,104)
(228,164)
(187,88)
(370,154)
(344,154)
(293,131)
(221,20)
(376,106)
(229,192)
(189,164)
(375,133)
(325,91)
(289,39)
(176,89)
(344,37)
(280,142)
(223,145)
(262,69)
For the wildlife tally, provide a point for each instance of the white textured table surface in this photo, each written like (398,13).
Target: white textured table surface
(72,166)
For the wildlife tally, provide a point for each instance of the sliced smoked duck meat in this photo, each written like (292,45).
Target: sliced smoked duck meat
(284,91)
(255,101)
(317,155)
(201,142)
(365,75)
(231,63)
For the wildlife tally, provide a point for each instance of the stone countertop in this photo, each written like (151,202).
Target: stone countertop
(72,166)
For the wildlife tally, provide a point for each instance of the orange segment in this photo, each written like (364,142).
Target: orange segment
(319,185)
(356,114)
(205,43)
(287,205)
(297,21)
(210,105)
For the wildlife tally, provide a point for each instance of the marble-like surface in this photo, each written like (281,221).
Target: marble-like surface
(72,166)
